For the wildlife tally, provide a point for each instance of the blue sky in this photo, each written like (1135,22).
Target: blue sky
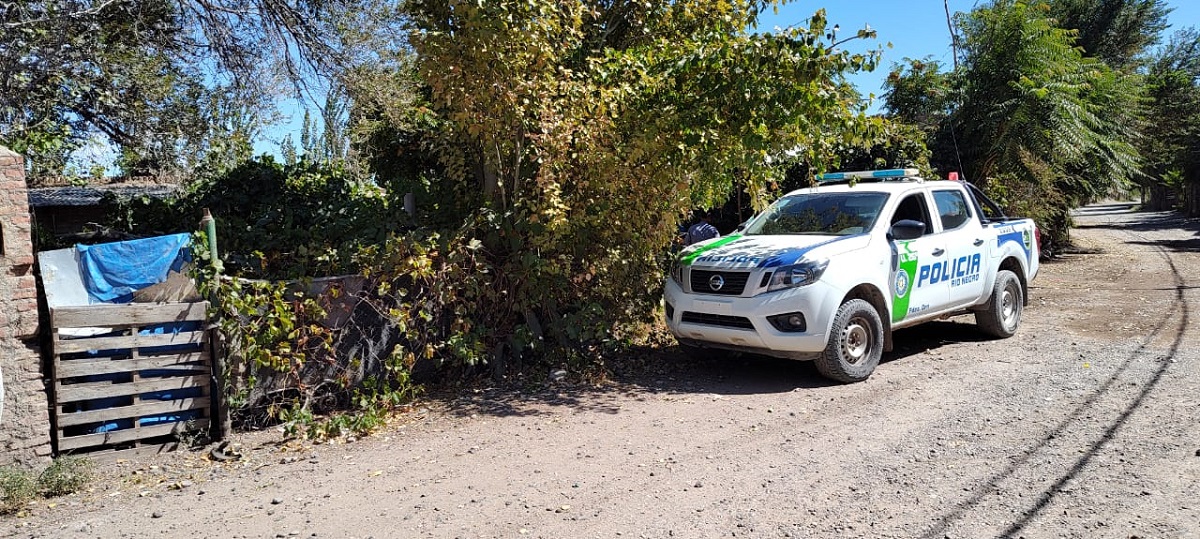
(914,28)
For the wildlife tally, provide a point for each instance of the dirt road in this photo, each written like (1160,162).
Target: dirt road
(1083,425)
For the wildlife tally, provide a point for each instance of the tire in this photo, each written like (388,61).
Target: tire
(855,343)
(1001,316)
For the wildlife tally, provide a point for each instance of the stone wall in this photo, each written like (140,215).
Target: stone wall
(25,423)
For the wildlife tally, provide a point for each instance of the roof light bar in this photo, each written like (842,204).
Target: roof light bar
(891,173)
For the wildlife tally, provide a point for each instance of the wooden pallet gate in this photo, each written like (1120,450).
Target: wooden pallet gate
(129,379)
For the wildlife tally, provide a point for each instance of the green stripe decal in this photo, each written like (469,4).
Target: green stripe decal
(904,282)
(691,257)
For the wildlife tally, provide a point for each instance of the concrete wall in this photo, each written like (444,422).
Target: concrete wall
(25,424)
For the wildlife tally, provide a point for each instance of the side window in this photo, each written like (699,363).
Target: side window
(988,210)
(913,207)
(952,208)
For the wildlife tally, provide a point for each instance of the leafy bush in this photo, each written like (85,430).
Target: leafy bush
(293,221)
(585,146)
(274,221)
(296,350)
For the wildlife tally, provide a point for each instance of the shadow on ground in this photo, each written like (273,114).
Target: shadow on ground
(1174,319)
(1153,221)
(668,370)
(1115,208)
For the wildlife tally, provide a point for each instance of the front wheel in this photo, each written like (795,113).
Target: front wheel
(1002,314)
(855,343)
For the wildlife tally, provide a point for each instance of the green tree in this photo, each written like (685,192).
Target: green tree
(324,139)
(1116,32)
(1172,146)
(590,128)
(152,77)
(918,92)
(1036,123)
(921,94)
(70,71)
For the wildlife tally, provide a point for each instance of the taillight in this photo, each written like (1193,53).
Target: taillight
(1037,238)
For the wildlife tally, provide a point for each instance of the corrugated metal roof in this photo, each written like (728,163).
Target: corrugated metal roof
(40,197)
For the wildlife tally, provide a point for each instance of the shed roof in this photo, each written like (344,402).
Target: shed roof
(72,195)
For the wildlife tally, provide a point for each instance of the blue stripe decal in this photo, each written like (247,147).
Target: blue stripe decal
(1018,238)
(792,256)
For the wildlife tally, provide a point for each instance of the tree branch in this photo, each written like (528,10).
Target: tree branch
(72,15)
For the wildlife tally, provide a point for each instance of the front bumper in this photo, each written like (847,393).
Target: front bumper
(740,323)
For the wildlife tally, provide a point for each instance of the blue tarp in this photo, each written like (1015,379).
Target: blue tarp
(113,271)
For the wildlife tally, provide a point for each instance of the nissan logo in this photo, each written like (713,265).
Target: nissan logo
(716,282)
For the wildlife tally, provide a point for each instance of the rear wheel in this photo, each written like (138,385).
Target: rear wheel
(855,343)
(1002,314)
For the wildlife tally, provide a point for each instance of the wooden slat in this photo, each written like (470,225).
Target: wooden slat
(129,341)
(112,456)
(127,314)
(98,390)
(104,365)
(145,408)
(129,435)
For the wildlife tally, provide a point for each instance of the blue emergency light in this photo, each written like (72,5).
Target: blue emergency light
(886,174)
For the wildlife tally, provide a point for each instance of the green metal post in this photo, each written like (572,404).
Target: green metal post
(222,427)
(210,230)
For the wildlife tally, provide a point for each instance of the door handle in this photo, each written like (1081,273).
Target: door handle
(978,243)
(939,252)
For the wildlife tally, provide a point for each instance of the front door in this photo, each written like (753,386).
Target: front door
(919,285)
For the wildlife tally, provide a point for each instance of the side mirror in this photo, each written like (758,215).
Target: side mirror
(742,226)
(906,229)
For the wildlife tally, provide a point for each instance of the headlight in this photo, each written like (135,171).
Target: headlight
(677,272)
(805,273)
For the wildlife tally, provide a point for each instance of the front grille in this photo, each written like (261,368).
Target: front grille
(734,282)
(739,322)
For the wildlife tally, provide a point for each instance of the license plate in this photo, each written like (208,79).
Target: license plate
(713,306)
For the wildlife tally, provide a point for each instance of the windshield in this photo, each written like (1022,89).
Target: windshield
(826,214)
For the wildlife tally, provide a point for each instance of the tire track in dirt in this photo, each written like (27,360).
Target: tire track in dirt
(1180,309)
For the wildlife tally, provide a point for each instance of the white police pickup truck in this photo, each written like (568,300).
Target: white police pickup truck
(827,273)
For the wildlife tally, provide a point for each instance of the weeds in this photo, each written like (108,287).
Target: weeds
(63,476)
(372,406)
(19,488)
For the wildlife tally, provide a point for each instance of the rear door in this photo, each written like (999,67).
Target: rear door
(964,267)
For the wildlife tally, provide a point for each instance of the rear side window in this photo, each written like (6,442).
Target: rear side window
(952,208)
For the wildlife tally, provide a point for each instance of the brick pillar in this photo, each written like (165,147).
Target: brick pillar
(25,424)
